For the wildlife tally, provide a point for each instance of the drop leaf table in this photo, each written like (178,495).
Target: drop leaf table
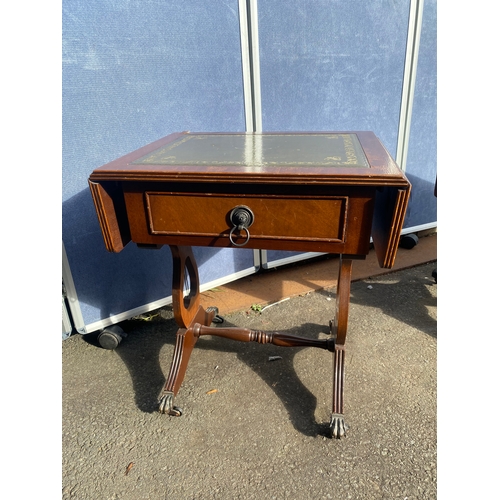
(303,191)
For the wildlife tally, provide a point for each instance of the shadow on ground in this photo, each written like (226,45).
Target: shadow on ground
(140,352)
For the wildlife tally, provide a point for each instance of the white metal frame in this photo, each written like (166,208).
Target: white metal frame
(286,260)
(67,327)
(409,79)
(71,295)
(249,34)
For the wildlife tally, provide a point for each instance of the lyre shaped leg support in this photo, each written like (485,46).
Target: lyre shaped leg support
(187,311)
(185,306)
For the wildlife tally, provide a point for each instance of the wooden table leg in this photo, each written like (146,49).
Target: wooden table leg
(187,312)
(194,321)
(338,329)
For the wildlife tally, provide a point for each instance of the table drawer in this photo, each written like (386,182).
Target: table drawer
(275,217)
(320,220)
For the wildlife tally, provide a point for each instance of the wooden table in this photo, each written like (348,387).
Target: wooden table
(312,192)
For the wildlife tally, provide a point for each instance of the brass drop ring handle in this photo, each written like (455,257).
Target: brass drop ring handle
(239,244)
(241,217)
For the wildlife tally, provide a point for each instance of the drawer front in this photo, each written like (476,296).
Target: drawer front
(275,217)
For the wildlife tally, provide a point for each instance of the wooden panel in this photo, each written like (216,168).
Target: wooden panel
(276,217)
(390,209)
(110,210)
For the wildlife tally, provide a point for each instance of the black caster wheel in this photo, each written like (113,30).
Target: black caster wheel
(111,337)
(216,318)
(408,241)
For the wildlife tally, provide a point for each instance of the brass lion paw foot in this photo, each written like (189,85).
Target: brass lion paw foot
(166,405)
(338,427)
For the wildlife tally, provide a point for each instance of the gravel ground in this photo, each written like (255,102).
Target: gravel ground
(254,428)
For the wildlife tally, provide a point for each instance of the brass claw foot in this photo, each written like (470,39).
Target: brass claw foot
(166,405)
(338,427)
